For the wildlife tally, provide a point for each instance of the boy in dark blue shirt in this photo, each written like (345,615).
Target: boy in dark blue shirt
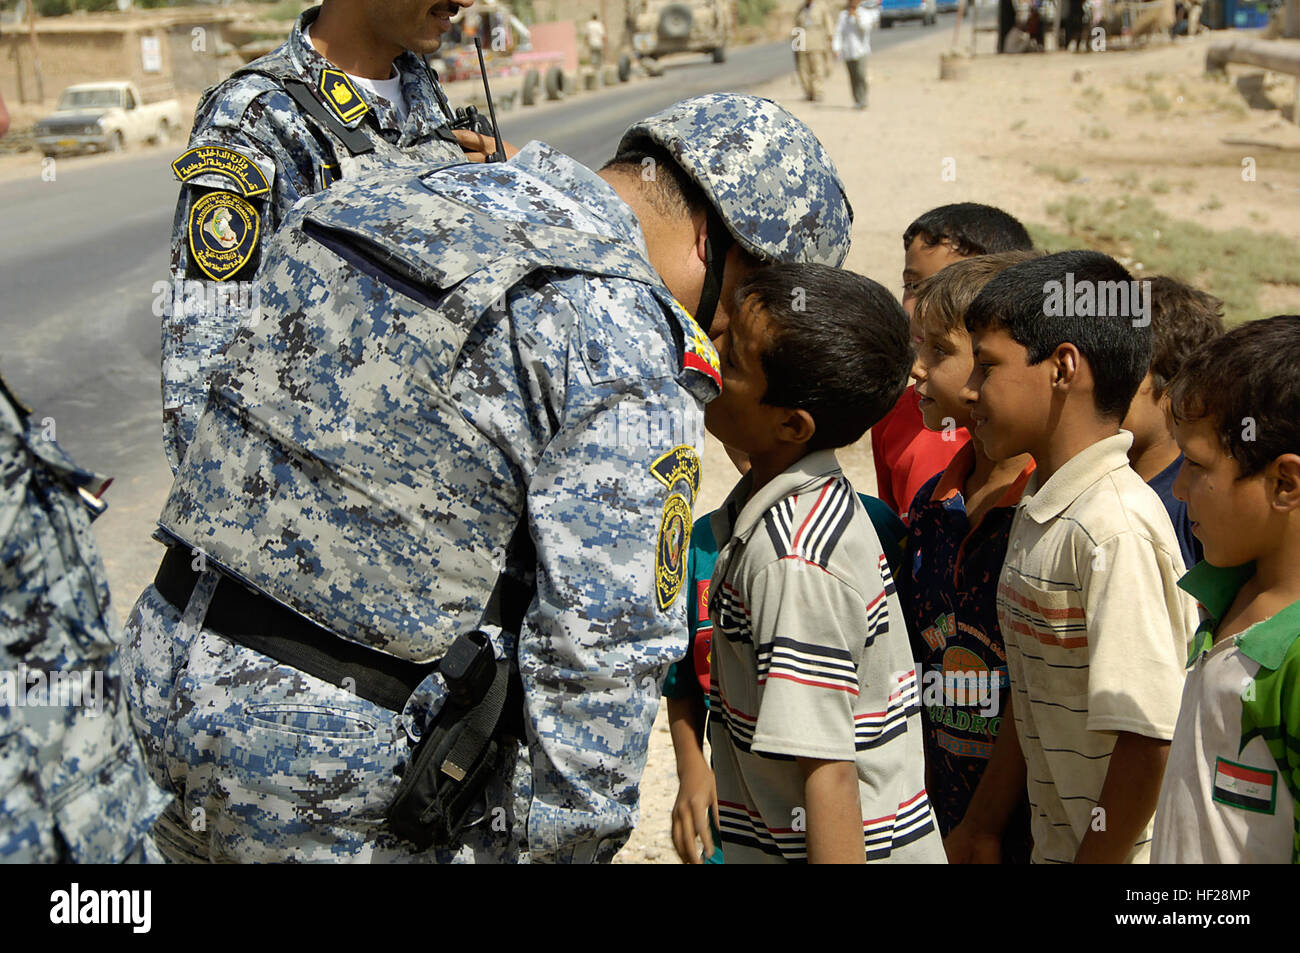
(1182,319)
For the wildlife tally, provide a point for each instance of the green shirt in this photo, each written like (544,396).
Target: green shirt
(1231,792)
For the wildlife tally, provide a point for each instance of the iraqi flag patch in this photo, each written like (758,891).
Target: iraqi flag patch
(1251,789)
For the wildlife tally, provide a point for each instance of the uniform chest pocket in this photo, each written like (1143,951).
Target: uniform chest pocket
(1050,626)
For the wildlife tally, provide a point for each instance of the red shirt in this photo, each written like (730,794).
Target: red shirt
(906,454)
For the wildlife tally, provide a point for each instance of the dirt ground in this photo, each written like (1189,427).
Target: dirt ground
(925,142)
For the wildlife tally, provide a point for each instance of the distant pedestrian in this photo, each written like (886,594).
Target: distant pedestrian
(852,42)
(596,41)
(813,29)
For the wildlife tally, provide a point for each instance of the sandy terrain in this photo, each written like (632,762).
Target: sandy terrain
(924,143)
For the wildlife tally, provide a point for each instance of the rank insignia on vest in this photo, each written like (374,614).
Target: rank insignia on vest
(223,232)
(224,162)
(329,174)
(679,470)
(340,95)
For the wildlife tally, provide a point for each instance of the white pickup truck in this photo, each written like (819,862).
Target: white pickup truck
(105,117)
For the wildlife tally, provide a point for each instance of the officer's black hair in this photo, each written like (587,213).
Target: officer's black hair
(1116,346)
(970,228)
(839,347)
(1247,384)
(673,194)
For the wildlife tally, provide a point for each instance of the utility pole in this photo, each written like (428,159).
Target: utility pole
(36,52)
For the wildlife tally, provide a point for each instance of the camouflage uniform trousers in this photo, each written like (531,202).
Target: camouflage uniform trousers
(271,764)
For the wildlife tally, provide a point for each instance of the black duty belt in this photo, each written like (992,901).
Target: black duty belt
(258,622)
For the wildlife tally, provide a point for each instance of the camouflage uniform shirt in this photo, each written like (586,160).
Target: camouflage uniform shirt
(253,153)
(435,356)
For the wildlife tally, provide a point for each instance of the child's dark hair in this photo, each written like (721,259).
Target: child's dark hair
(970,228)
(1182,319)
(1248,383)
(839,347)
(1117,348)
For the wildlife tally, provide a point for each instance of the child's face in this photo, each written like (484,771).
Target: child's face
(1012,411)
(920,261)
(1229,516)
(942,369)
(738,417)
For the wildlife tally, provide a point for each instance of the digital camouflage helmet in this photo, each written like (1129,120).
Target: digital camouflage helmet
(765,173)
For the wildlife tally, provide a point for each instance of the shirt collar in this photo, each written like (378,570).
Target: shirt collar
(959,468)
(807,473)
(1214,587)
(1050,500)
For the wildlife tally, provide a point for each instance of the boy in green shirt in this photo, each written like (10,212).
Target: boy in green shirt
(1231,791)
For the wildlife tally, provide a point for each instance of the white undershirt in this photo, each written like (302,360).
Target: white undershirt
(389,89)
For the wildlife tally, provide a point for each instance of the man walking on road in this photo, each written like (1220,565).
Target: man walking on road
(348,91)
(460,447)
(853,43)
(814,25)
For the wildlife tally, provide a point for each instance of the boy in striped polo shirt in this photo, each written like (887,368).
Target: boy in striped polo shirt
(815,718)
(1231,791)
(1095,627)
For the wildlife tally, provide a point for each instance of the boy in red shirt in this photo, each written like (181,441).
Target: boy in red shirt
(906,454)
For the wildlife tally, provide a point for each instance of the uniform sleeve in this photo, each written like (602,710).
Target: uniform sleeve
(207,299)
(808,629)
(603,627)
(1139,624)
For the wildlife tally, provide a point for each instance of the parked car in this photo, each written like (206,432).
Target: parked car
(105,117)
(892,11)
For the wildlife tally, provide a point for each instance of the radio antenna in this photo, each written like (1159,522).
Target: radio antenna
(500,154)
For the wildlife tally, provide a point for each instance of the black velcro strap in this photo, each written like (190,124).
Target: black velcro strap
(258,622)
(478,726)
(357,142)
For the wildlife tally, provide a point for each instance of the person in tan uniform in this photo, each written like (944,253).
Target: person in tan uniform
(814,25)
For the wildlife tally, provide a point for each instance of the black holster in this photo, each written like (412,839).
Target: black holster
(441,793)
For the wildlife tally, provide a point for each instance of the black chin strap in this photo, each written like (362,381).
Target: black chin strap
(717,243)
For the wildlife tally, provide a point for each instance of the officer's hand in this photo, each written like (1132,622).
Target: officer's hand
(697,794)
(967,845)
(479,147)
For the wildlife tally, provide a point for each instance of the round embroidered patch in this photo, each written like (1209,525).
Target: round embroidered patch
(670,559)
(223,233)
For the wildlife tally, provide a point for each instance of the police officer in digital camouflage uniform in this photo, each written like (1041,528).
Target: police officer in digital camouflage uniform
(284,126)
(438,357)
(73,786)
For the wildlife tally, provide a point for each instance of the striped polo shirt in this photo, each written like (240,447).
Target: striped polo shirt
(811,659)
(1096,632)
(1231,793)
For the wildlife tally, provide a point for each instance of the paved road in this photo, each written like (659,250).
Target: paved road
(79,258)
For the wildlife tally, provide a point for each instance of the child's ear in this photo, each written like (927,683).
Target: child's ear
(1285,471)
(798,427)
(1066,361)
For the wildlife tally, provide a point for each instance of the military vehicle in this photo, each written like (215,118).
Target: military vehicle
(659,27)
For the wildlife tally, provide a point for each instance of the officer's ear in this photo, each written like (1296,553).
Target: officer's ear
(701,222)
